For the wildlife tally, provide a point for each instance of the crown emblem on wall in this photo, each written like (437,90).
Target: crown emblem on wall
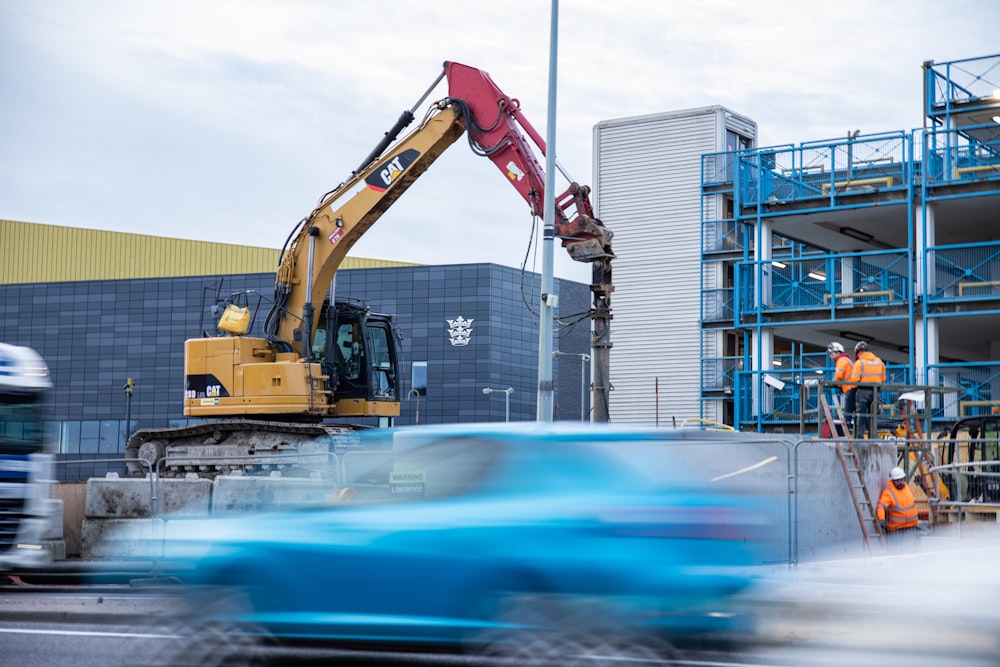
(460,331)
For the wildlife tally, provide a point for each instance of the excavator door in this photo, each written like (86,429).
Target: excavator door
(360,352)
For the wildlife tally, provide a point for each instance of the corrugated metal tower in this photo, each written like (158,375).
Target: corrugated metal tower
(647,182)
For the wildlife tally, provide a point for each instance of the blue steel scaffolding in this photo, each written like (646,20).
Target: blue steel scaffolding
(891,238)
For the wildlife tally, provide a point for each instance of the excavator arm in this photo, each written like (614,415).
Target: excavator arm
(325,237)
(496,128)
(495,122)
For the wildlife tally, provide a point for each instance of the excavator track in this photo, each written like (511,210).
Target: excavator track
(245,445)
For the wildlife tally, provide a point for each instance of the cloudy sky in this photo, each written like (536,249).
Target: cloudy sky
(226,120)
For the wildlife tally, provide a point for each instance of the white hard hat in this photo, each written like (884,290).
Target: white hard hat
(896,473)
(834,347)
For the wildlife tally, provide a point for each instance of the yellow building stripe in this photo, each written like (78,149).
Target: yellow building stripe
(39,253)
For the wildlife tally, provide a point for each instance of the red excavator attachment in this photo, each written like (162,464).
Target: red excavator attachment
(497,129)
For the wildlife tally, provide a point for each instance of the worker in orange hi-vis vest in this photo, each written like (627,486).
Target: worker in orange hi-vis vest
(867,369)
(897,508)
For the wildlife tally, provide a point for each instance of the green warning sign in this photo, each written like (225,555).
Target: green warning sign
(410,483)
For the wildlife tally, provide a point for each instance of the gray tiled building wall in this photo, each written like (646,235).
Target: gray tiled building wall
(96,334)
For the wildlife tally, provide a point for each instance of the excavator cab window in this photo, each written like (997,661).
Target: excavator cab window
(383,377)
(349,351)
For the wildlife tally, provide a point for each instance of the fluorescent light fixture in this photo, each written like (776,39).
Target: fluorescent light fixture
(777,363)
(779,265)
(996,119)
(816,276)
(850,335)
(856,234)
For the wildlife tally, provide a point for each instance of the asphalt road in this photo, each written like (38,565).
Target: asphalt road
(934,607)
(115,625)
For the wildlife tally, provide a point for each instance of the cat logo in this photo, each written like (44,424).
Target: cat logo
(391,170)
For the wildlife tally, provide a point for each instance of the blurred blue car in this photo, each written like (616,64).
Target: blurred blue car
(487,535)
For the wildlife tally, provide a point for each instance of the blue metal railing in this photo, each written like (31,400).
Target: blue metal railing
(717,305)
(825,169)
(721,236)
(792,399)
(829,281)
(960,83)
(963,272)
(976,388)
(971,153)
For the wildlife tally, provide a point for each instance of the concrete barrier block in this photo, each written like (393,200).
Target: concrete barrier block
(54,531)
(57,549)
(131,498)
(114,539)
(260,494)
(185,497)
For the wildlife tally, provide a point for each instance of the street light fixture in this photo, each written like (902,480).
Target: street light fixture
(584,358)
(507,392)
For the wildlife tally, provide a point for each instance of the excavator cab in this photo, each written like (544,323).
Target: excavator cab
(974,442)
(360,353)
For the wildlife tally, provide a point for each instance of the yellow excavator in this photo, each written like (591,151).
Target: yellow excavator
(322,359)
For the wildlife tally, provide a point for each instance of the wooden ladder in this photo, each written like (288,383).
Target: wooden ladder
(849,461)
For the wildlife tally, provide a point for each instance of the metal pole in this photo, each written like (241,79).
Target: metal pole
(544,412)
(584,358)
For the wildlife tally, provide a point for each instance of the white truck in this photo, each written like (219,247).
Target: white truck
(26,465)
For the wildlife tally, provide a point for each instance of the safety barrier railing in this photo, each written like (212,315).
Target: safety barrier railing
(721,236)
(717,305)
(829,281)
(973,487)
(718,169)
(961,155)
(718,374)
(826,169)
(957,84)
(963,272)
(973,388)
(788,396)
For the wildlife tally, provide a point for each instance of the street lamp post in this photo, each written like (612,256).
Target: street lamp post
(584,358)
(507,392)
(415,393)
